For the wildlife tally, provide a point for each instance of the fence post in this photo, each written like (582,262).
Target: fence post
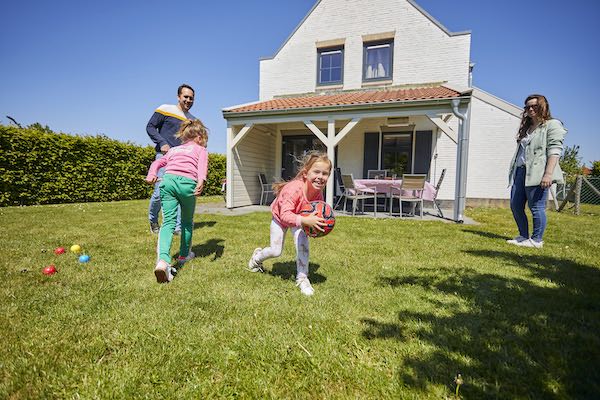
(578,194)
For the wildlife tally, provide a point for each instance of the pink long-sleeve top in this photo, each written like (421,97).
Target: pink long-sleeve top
(286,207)
(189,160)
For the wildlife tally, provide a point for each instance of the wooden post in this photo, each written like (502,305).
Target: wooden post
(578,194)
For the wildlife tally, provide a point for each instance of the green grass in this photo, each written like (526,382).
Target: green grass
(400,307)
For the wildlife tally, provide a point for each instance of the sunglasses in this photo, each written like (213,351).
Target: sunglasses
(534,106)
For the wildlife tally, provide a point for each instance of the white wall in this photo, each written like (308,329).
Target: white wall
(254,154)
(492,145)
(423,52)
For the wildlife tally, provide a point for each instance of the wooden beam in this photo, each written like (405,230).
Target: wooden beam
(342,134)
(440,123)
(309,124)
(241,134)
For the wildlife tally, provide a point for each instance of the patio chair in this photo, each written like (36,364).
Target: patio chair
(265,188)
(436,204)
(339,186)
(377,173)
(351,192)
(414,185)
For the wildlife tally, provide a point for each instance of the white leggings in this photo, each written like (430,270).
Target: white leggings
(277,240)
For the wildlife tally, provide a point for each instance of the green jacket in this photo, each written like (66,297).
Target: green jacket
(546,140)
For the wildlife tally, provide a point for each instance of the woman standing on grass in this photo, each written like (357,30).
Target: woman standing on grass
(534,168)
(307,186)
(186,167)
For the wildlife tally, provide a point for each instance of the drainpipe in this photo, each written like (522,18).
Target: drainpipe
(462,153)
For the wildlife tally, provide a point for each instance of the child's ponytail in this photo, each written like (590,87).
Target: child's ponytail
(305,165)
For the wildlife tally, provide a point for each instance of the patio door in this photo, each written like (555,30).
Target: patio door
(293,149)
(400,152)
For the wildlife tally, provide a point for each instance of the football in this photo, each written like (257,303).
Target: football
(324,211)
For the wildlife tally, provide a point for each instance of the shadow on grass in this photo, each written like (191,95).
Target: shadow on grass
(488,235)
(536,337)
(213,247)
(202,224)
(287,271)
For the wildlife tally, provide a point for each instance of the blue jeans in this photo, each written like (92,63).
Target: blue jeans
(536,197)
(154,207)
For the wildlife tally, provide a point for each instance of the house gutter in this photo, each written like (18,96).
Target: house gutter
(462,156)
(343,107)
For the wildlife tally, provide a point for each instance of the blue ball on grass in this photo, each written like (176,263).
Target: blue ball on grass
(84,258)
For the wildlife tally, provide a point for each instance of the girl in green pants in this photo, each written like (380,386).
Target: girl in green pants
(185,172)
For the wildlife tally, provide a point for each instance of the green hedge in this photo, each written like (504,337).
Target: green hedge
(43,167)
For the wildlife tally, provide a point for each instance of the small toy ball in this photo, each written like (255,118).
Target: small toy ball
(324,211)
(59,250)
(84,258)
(75,248)
(49,270)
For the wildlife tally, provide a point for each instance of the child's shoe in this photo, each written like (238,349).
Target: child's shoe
(305,287)
(162,271)
(255,266)
(182,260)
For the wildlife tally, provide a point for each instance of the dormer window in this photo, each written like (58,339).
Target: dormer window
(330,66)
(377,63)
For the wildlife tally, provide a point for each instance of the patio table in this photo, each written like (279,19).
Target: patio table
(385,185)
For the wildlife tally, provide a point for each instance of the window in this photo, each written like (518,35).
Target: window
(396,152)
(377,61)
(330,66)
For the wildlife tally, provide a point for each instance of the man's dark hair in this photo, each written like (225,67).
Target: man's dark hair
(184,86)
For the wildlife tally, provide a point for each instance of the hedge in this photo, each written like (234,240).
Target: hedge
(43,167)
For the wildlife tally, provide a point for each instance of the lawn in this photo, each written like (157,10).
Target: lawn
(400,307)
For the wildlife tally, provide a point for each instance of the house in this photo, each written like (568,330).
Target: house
(377,84)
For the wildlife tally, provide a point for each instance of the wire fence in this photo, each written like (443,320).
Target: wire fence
(578,190)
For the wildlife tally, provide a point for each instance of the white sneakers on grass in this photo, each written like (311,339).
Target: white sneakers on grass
(526,242)
(305,287)
(253,265)
(162,271)
(531,243)
(182,260)
(517,240)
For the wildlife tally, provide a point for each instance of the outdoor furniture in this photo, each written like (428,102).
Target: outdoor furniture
(436,205)
(355,194)
(376,173)
(411,190)
(265,188)
(384,186)
(339,186)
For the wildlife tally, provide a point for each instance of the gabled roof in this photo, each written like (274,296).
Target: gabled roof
(367,97)
(411,2)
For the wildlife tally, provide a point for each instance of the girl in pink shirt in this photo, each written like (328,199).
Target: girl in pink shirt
(307,186)
(185,173)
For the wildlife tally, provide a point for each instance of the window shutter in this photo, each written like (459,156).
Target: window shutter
(423,152)
(371,156)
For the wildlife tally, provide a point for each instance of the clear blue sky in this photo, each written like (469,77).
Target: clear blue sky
(92,67)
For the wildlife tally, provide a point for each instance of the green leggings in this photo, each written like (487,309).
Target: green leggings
(176,190)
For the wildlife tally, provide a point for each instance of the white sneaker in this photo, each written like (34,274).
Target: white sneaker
(182,260)
(162,271)
(253,265)
(517,240)
(305,287)
(531,243)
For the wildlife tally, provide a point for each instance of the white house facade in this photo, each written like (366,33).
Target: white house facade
(376,84)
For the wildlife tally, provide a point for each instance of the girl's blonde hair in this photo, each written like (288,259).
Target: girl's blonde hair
(192,129)
(306,164)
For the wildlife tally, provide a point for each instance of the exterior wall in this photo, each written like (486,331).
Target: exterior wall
(423,52)
(491,146)
(254,154)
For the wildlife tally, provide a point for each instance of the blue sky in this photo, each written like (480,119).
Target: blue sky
(90,67)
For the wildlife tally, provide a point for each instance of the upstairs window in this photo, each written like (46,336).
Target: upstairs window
(377,64)
(330,66)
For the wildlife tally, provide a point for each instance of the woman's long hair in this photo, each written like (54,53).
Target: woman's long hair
(542,112)
(305,165)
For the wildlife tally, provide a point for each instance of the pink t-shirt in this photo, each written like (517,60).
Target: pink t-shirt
(286,207)
(189,160)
